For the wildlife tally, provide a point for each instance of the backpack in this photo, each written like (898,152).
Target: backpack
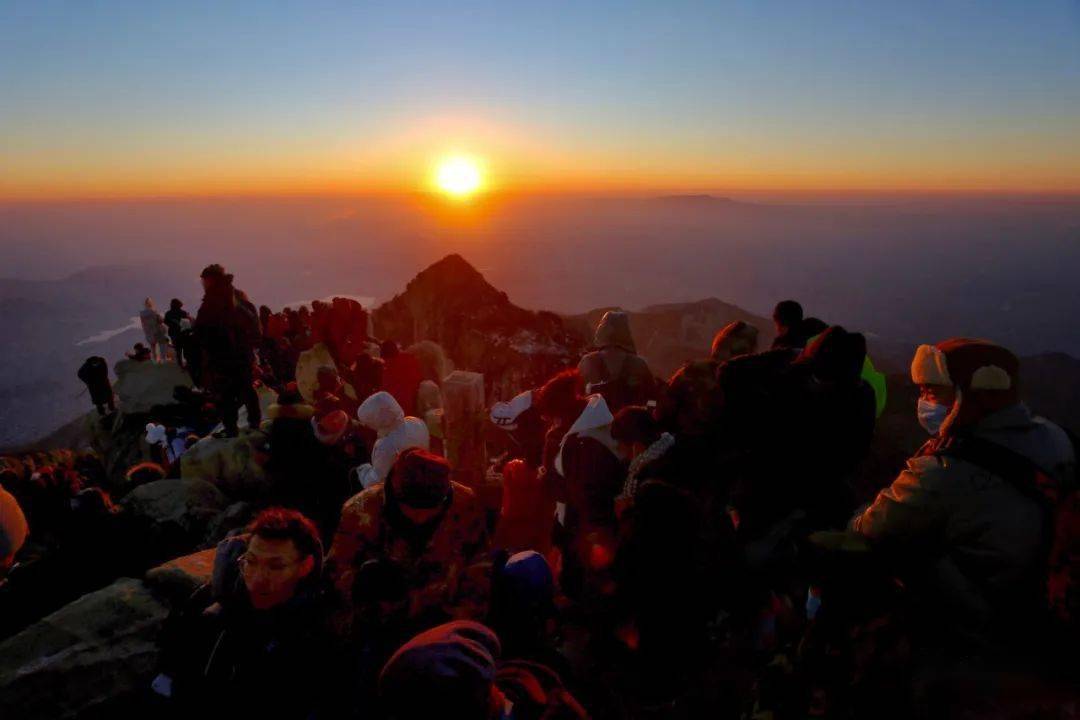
(1060,505)
(248,326)
(615,388)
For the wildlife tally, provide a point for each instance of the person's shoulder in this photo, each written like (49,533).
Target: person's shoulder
(367,500)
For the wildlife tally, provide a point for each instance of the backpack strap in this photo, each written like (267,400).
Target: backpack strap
(1021,472)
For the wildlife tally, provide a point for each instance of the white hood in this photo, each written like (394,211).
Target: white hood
(595,422)
(505,414)
(381,413)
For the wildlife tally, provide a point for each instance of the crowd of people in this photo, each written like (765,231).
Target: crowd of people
(687,547)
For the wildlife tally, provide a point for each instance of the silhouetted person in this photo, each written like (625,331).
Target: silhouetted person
(227,332)
(401,375)
(95,373)
(173,318)
(788,319)
(614,369)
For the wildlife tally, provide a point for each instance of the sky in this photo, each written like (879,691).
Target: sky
(107,99)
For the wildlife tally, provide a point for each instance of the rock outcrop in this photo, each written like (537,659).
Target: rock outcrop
(173,516)
(84,658)
(453,305)
(177,579)
(140,386)
(230,464)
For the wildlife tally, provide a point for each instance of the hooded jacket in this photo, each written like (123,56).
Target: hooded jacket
(982,536)
(614,367)
(396,432)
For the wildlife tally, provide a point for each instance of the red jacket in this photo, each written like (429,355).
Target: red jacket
(401,378)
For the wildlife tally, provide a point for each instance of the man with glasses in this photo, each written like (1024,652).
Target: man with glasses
(259,647)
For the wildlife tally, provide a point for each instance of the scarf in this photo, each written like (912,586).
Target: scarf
(653,452)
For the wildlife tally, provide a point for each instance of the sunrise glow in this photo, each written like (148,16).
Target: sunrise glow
(458,176)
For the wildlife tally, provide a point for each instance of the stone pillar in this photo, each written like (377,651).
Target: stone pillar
(464,415)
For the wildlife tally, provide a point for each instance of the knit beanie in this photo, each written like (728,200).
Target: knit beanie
(447,671)
(420,479)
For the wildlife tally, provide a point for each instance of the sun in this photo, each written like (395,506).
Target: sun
(458,176)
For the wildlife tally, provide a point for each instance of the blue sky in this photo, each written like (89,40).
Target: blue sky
(124,94)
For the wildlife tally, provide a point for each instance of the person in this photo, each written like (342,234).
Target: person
(957,511)
(151,321)
(788,319)
(523,612)
(95,373)
(453,670)
(139,353)
(424,532)
(173,317)
(735,339)
(401,375)
(640,438)
(396,432)
(527,515)
(13,530)
(227,332)
(251,642)
(614,369)
(583,465)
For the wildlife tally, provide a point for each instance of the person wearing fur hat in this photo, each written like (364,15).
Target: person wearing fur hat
(421,527)
(957,511)
(614,369)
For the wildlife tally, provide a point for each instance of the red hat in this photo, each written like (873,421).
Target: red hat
(987,376)
(330,427)
(420,479)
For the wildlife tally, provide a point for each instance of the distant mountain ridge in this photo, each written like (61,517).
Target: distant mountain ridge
(449,302)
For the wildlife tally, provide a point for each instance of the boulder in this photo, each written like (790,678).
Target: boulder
(85,657)
(140,386)
(177,579)
(230,464)
(234,517)
(172,516)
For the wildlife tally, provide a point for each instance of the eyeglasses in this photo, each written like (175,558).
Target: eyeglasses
(250,564)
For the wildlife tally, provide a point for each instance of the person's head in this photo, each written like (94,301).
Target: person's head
(282,551)
(787,315)
(388,349)
(148,303)
(447,671)
(835,357)
(560,397)
(734,339)
(327,379)
(13,530)
(962,381)
(214,276)
(264,313)
(614,331)
(330,427)
(420,484)
(522,598)
(689,404)
(635,429)
(175,304)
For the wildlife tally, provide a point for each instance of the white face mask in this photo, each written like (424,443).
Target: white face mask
(932,415)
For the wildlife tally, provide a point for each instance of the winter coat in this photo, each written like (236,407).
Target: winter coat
(229,660)
(401,378)
(979,535)
(527,516)
(382,413)
(95,373)
(443,566)
(536,692)
(587,473)
(615,369)
(172,322)
(151,325)
(226,331)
